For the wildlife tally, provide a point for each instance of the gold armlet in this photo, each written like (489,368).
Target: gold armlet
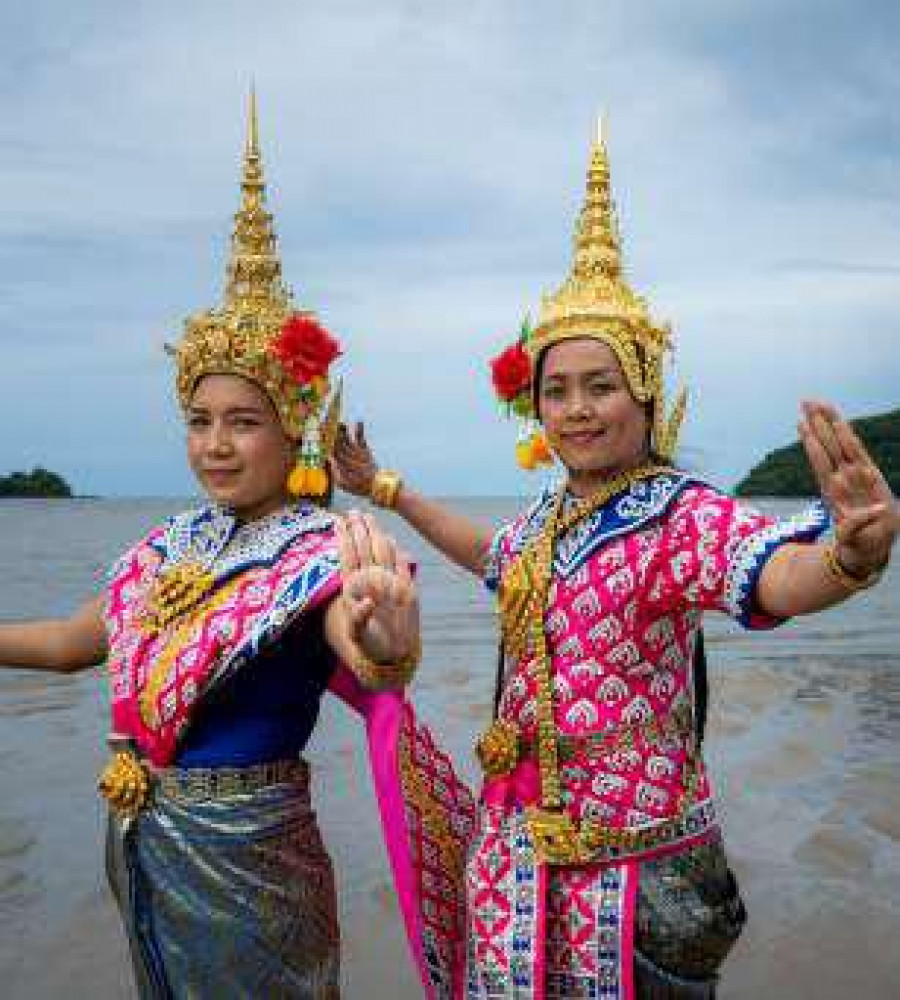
(843,578)
(386,676)
(385,488)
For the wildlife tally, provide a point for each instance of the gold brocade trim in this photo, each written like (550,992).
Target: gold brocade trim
(175,644)
(189,784)
(519,601)
(433,815)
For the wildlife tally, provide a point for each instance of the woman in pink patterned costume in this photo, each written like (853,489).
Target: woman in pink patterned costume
(222,629)
(595,867)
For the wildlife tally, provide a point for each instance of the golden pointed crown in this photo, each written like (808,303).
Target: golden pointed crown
(238,337)
(596,302)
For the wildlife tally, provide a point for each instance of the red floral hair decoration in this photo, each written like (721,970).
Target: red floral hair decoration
(511,373)
(305,349)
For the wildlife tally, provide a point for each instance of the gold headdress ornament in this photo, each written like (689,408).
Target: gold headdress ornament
(258,332)
(595,302)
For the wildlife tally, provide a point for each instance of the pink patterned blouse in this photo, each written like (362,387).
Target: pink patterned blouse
(630,585)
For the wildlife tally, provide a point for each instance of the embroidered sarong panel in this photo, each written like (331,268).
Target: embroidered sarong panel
(588,935)
(503,898)
(440,819)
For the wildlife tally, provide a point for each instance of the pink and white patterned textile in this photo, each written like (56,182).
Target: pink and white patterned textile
(630,586)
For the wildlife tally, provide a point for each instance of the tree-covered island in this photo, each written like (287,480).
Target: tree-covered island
(785,472)
(37,483)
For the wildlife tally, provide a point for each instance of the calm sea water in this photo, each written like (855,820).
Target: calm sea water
(804,737)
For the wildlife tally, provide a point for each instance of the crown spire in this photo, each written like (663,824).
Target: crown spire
(253,124)
(253,277)
(597,247)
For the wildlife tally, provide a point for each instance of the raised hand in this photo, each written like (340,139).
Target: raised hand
(864,509)
(354,463)
(379,592)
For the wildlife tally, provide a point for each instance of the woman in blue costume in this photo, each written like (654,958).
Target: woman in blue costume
(595,865)
(222,629)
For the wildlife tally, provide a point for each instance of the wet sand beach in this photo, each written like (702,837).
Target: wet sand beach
(803,744)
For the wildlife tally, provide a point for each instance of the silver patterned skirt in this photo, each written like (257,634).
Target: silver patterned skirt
(225,887)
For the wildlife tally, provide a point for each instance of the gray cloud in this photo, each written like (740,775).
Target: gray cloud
(426,164)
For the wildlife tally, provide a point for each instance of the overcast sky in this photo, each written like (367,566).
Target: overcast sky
(425,164)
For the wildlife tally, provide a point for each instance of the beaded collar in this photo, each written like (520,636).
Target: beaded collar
(214,538)
(627,510)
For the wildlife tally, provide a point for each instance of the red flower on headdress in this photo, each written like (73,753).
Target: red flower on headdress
(511,372)
(305,348)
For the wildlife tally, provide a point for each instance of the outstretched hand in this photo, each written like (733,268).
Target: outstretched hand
(354,463)
(864,509)
(379,591)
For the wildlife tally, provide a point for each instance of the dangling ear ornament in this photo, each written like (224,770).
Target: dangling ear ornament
(308,477)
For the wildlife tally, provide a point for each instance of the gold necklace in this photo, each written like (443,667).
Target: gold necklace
(557,525)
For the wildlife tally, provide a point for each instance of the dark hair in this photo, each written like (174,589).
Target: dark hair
(536,382)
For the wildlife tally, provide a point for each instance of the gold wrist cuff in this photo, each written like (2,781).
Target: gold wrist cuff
(386,676)
(847,581)
(385,488)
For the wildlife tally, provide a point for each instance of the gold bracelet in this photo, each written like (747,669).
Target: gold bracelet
(386,676)
(385,488)
(849,582)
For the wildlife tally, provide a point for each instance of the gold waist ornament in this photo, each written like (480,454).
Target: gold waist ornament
(125,784)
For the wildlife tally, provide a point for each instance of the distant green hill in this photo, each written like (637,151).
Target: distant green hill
(37,483)
(785,472)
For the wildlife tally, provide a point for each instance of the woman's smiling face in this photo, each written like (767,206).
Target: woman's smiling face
(591,419)
(237,447)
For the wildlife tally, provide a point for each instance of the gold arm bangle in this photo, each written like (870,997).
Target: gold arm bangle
(385,488)
(386,676)
(847,581)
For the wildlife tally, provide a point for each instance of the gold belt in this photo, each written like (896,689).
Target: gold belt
(503,745)
(128,782)
(561,840)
